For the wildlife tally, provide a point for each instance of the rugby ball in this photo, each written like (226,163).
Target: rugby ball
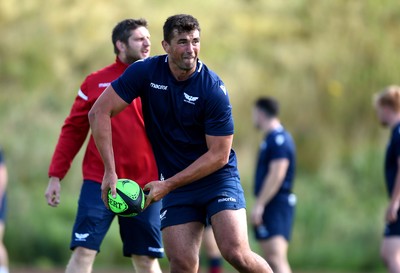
(129,200)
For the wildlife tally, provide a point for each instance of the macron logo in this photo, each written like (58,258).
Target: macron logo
(104,84)
(158,86)
(227,199)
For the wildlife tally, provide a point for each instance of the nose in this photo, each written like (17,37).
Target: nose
(147,42)
(189,48)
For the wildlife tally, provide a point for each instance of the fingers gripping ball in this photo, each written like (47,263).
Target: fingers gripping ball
(129,200)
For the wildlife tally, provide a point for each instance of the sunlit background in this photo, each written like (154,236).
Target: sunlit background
(322,59)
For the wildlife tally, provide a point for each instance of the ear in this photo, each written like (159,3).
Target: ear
(121,46)
(166,46)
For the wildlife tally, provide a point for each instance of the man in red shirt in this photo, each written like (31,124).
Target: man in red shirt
(141,235)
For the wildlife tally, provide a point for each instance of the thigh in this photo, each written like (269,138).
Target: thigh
(275,246)
(183,241)
(141,234)
(93,219)
(230,230)
(390,246)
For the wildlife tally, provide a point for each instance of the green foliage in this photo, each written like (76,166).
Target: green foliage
(322,59)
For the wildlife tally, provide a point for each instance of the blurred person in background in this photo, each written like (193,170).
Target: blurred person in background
(211,250)
(141,235)
(3,208)
(273,211)
(387,105)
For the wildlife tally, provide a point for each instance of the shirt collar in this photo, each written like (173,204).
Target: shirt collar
(121,64)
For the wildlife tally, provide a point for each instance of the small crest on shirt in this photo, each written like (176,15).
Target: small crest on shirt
(190,99)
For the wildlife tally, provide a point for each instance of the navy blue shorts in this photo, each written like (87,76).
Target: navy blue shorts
(200,204)
(393,229)
(277,218)
(141,235)
(3,208)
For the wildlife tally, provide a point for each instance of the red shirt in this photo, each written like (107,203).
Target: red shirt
(133,154)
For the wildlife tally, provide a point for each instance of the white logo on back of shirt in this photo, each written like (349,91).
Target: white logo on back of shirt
(279,140)
(190,99)
(158,86)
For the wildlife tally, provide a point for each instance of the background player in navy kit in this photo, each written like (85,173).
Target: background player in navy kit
(3,208)
(387,104)
(189,123)
(141,235)
(273,211)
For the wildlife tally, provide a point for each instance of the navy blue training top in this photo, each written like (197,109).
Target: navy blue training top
(392,156)
(1,156)
(278,144)
(178,114)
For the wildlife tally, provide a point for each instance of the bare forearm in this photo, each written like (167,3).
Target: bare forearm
(273,181)
(205,165)
(269,190)
(100,124)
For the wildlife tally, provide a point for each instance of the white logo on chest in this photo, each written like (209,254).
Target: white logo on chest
(190,99)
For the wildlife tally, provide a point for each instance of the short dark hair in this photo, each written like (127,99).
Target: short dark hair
(180,22)
(268,105)
(122,31)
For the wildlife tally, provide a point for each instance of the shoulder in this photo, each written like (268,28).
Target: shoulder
(280,138)
(212,83)
(96,75)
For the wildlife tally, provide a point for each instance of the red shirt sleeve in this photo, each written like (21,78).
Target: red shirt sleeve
(73,134)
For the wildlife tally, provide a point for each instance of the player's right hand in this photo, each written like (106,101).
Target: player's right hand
(109,182)
(53,190)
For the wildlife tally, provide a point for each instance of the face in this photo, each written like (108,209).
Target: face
(183,50)
(383,113)
(138,46)
(259,118)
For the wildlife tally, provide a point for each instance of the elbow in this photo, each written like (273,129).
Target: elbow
(222,160)
(92,116)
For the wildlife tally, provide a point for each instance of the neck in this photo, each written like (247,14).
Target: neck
(178,73)
(395,120)
(274,124)
(126,60)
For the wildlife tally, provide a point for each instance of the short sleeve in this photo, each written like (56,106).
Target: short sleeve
(218,112)
(279,147)
(130,84)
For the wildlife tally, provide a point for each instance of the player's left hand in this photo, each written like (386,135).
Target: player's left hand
(157,190)
(391,212)
(257,214)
